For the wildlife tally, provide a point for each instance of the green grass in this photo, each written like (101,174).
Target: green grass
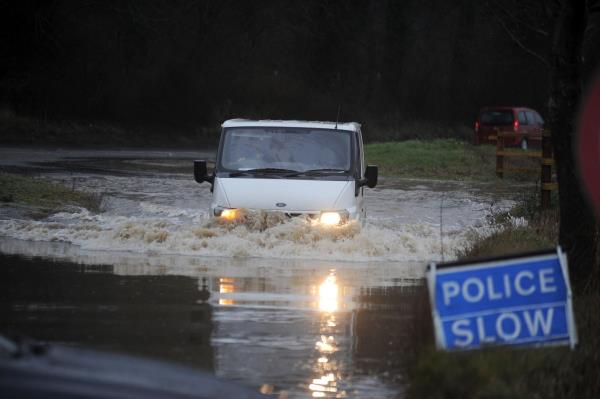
(551,372)
(439,158)
(40,193)
(506,241)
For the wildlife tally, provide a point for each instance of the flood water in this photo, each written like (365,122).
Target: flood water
(284,308)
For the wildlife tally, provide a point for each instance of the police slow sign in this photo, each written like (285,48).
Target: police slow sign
(520,301)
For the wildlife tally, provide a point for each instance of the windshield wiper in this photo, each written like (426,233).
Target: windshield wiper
(316,172)
(274,171)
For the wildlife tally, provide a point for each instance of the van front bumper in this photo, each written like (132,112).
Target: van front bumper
(330,218)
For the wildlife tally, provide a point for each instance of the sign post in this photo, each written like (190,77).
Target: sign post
(521,300)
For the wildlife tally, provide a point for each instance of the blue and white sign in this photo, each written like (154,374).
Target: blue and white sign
(511,301)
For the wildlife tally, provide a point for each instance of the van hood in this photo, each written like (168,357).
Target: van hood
(287,195)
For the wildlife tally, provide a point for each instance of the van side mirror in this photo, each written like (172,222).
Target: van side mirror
(371,174)
(370,179)
(201,172)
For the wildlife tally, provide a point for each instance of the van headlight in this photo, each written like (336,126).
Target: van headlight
(334,218)
(226,213)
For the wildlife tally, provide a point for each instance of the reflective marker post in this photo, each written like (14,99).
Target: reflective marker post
(521,300)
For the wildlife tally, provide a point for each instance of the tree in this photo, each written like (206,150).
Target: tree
(578,228)
(569,27)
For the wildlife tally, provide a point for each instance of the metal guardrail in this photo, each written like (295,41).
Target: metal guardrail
(545,155)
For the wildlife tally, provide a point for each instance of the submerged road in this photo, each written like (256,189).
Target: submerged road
(290,310)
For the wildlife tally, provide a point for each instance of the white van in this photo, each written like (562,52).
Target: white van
(299,168)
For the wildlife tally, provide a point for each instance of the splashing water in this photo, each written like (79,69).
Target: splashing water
(167,214)
(257,235)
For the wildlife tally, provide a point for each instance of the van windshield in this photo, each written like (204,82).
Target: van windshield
(295,149)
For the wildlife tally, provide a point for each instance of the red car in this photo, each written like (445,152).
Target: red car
(524,121)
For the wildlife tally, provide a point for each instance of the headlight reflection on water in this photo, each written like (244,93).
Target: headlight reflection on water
(328,294)
(226,286)
(326,381)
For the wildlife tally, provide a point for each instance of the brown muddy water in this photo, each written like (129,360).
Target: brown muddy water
(292,310)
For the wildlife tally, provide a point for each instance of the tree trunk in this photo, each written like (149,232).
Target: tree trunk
(577,233)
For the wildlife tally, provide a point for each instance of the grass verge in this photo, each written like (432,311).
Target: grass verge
(43,194)
(550,372)
(443,159)
(503,372)
(439,158)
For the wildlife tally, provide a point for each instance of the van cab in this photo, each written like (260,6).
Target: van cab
(315,169)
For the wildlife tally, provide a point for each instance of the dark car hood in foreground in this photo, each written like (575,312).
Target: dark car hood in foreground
(39,371)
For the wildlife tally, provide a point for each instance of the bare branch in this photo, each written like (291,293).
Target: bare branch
(491,8)
(515,39)
(538,24)
(523,23)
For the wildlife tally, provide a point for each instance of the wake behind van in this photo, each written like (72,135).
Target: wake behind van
(315,169)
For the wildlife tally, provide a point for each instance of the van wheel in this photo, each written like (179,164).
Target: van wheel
(524,144)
